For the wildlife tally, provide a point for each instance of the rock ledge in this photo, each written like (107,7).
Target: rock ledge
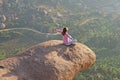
(50,60)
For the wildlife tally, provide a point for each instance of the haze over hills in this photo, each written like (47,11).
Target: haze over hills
(95,23)
(104,5)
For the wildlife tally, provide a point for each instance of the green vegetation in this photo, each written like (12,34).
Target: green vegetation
(2,54)
(104,69)
(94,23)
(15,41)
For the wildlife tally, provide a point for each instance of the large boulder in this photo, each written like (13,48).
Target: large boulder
(50,60)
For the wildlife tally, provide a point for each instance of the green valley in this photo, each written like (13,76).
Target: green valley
(92,22)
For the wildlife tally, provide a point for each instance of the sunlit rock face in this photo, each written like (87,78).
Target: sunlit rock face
(50,60)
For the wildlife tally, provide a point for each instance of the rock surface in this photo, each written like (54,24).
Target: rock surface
(50,60)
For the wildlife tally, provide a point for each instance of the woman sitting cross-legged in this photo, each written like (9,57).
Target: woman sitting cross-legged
(67,39)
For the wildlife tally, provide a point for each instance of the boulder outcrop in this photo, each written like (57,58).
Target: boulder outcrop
(50,60)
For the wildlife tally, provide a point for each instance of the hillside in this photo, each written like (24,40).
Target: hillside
(95,23)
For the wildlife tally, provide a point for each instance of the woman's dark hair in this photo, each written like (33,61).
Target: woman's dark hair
(64,30)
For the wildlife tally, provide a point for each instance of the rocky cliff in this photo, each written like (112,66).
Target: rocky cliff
(50,60)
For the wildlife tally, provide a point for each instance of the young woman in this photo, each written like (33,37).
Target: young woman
(67,39)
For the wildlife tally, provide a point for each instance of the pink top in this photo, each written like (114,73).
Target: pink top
(66,38)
